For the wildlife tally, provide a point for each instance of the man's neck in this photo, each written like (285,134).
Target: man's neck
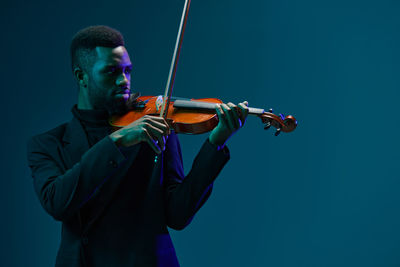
(83,100)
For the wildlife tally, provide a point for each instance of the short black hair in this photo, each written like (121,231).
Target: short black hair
(87,39)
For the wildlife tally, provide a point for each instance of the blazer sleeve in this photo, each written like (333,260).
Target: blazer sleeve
(62,192)
(186,194)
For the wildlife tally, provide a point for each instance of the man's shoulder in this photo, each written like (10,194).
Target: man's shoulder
(54,135)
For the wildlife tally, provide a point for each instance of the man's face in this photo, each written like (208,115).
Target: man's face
(110,79)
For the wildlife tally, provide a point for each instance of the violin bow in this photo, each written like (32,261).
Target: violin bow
(174,61)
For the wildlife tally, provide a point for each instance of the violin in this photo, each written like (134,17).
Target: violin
(195,116)
(191,116)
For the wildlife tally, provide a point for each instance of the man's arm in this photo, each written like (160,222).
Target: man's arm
(185,196)
(61,192)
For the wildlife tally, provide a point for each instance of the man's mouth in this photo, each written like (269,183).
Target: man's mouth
(125,91)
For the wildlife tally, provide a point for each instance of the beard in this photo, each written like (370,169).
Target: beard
(107,99)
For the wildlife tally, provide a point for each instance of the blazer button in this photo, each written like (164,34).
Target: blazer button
(85,240)
(113,163)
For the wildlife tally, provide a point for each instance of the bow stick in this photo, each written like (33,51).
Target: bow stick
(174,62)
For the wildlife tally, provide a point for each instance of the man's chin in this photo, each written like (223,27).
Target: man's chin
(118,106)
(122,103)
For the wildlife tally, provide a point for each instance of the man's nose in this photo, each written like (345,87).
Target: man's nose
(123,80)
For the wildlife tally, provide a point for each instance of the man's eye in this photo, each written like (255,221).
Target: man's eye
(128,70)
(111,71)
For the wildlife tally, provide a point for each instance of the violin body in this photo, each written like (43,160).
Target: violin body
(187,121)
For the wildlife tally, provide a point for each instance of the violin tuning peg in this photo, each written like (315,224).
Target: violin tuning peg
(271,110)
(278,131)
(267,126)
(282,116)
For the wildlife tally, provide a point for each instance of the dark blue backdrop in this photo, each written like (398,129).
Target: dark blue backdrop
(324,195)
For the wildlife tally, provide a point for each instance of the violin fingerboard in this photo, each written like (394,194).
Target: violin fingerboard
(189,104)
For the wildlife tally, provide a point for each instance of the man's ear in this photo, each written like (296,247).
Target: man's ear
(81,77)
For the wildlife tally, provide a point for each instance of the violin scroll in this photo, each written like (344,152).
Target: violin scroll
(280,123)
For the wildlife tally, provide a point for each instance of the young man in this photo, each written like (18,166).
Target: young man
(114,199)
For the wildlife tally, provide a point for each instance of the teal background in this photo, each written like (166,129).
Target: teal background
(324,195)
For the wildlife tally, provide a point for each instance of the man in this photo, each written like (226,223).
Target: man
(114,199)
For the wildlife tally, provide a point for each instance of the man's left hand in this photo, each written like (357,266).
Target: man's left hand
(231,118)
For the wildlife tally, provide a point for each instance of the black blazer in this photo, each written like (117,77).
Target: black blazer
(115,204)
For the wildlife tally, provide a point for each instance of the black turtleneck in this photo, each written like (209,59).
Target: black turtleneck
(94,122)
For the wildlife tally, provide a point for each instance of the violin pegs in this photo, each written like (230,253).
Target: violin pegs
(282,116)
(271,110)
(267,126)
(278,131)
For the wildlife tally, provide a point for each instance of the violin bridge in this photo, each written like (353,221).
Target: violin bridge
(159,103)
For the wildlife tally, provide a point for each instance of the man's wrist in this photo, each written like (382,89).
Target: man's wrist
(216,144)
(116,138)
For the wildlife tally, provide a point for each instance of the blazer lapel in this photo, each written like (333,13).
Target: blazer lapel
(76,143)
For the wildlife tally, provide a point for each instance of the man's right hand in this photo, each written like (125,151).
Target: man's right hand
(151,129)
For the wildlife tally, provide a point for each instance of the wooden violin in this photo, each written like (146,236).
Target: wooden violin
(196,116)
(191,116)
